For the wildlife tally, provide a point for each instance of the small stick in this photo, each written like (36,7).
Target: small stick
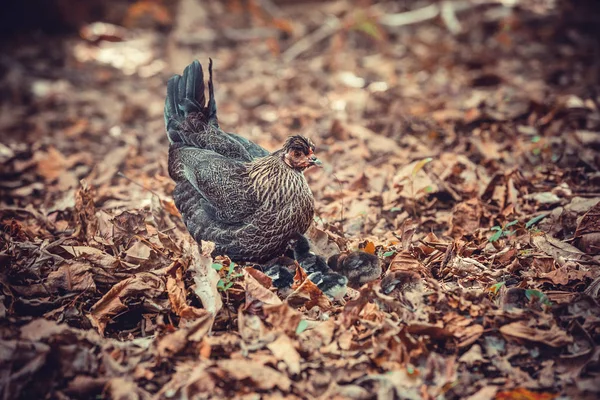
(331,26)
(139,184)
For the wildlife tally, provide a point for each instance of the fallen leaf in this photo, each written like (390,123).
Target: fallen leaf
(283,348)
(142,284)
(259,376)
(177,296)
(205,280)
(553,337)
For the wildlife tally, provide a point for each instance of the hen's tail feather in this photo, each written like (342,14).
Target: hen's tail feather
(185,95)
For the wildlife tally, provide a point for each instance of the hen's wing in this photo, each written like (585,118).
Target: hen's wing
(226,193)
(252,148)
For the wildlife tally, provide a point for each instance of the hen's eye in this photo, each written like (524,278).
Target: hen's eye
(296,153)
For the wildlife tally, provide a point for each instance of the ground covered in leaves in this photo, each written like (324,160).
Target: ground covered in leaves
(462,148)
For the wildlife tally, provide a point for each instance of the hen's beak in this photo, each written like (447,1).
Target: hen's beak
(313,160)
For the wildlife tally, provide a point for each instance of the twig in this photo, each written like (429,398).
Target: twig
(122,175)
(447,10)
(241,35)
(410,17)
(449,17)
(331,26)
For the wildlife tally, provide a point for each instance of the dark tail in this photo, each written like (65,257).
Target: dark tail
(185,96)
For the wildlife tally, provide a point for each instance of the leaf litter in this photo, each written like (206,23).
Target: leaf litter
(466,163)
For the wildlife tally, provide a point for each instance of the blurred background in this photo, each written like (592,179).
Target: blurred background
(481,87)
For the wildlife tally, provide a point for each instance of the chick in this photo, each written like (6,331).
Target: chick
(359,267)
(281,270)
(333,285)
(307,259)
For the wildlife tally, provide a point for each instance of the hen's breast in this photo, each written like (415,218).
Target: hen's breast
(287,203)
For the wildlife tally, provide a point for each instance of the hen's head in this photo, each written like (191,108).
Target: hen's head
(298,153)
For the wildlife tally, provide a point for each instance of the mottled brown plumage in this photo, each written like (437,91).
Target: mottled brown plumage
(229,190)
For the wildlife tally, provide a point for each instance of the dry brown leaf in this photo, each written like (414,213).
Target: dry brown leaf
(321,243)
(195,331)
(260,277)
(466,218)
(125,389)
(40,329)
(405,261)
(205,280)
(554,337)
(306,293)
(177,296)
(259,376)
(283,348)
(587,235)
(71,276)
(414,182)
(283,317)
(256,292)
(369,247)
(559,250)
(146,284)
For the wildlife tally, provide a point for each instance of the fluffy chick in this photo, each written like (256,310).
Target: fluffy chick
(307,259)
(333,285)
(281,270)
(359,267)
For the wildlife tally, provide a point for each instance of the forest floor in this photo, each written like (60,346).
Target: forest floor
(464,152)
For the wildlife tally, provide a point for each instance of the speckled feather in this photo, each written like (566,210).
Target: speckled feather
(229,190)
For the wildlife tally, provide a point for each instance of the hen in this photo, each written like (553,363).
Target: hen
(229,190)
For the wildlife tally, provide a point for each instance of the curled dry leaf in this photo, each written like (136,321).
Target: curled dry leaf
(205,280)
(262,278)
(306,293)
(321,242)
(256,292)
(177,296)
(142,284)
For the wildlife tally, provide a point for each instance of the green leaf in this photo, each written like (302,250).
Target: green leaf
(535,139)
(511,223)
(535,220)
(389,253)
(221,285)
(496,287)
(302,325)
(496,228)
(395,209)
(217,266)
(229,285)
(419,166)
(231,268)
(370,28)
(532,293)
(495,236)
